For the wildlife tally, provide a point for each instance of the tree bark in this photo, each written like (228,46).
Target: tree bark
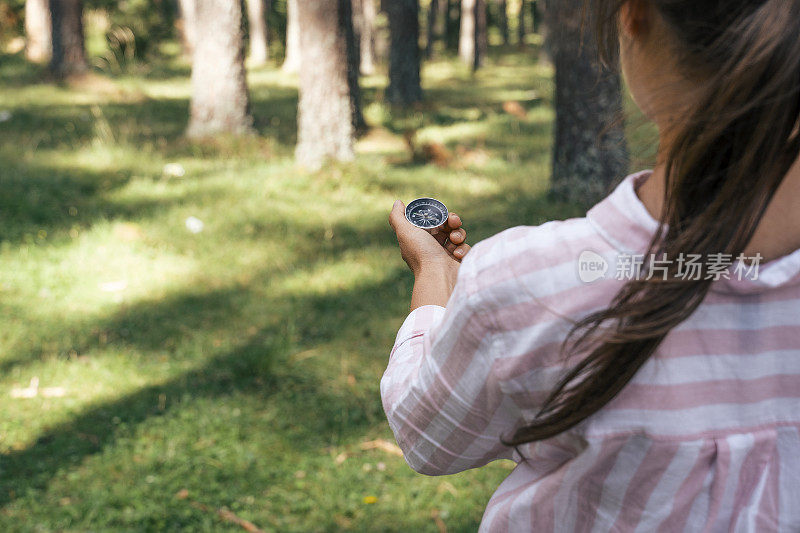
(353,65)
(364,21)
(431,35)
(220,102)
(69,51)
(291,61)
(404,53)
(481,34)
(325,115)
(257,23)
(452,25)
(521,30)
(589,154)
(38,31)
(473,40)
(502,20)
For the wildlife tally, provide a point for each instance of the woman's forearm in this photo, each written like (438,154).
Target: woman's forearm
(433,286)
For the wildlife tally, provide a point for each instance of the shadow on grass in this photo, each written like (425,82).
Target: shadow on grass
(35,198)
(16,71)
(258,366)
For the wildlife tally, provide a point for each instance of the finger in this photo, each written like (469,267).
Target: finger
(461,251)
(453,221)
(397,215)
(450,247)
(458,236)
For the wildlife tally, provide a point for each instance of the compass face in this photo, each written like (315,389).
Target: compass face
(426,213)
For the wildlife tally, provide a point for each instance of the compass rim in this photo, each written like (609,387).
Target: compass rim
(431,200)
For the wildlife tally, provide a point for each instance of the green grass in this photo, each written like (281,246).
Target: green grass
(239,365)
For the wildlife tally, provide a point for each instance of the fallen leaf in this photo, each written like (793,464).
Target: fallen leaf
(437,519)
(383,445)
(515,109)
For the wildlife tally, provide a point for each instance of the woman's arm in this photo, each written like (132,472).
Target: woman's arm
(439,390)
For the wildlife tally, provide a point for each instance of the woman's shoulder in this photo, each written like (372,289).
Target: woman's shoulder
(523,250)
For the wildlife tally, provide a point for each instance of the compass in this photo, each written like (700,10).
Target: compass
(426,213)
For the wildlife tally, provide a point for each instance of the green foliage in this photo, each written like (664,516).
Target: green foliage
(237,367)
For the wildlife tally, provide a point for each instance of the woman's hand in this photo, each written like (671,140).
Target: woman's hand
(433,258)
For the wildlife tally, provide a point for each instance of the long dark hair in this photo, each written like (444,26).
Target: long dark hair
(723,167)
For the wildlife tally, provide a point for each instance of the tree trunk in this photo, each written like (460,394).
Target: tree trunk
(466,36)
(257,23)
(291,61)
(502,20)
(521,30)
(38,46)
(186,26)
(481,34)
(325,115)
(473,40)
(353,65)
(69,52)
(442,22)
(364,21)
(404,54)
(452,25)
(220,103)
(433,16)
(590,154)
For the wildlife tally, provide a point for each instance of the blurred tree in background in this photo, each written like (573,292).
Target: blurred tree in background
(291,60)
(473,38)
(38,45)
(68,48)
(404,54)
(257,31)
(328,99)
(220,101)
(364,22)
(589,151)
(502,20)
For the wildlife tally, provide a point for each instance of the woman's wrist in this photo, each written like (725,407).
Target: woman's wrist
(433,284)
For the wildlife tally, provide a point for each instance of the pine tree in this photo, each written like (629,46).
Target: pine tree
(257,23)
(38,31)
(220,102)
(404,54)
(590,154)
(325,116)
(68,48)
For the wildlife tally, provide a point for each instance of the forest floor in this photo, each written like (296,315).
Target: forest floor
(154,377)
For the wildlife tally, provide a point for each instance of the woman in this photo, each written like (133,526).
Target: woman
(661,398)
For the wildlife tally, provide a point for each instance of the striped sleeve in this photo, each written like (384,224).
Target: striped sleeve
(439,392)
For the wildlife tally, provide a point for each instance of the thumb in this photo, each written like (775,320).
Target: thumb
(397,218)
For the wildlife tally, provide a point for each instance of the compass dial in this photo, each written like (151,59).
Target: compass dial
(426,213)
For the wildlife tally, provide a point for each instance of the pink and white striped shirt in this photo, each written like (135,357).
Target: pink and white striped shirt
(706,437)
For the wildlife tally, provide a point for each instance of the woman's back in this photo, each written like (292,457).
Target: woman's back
(706,435)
